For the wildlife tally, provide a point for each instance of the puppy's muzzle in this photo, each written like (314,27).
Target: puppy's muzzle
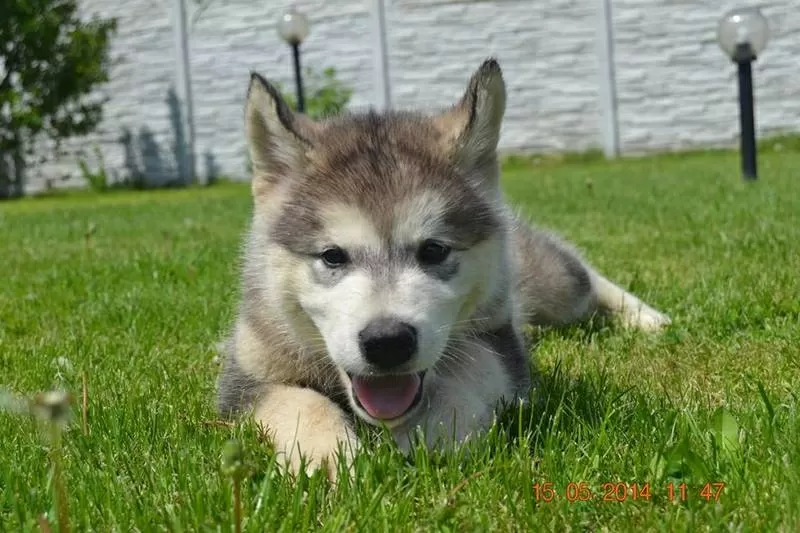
(388,343)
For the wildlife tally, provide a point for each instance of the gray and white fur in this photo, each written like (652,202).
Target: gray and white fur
(381,245)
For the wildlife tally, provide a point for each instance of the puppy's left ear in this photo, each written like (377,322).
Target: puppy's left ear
(471,129)
(279,140)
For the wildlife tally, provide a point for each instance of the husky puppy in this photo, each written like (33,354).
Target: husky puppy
(386,279)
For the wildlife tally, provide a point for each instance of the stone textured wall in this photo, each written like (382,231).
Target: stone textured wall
(137,134)
(675,88)
(546,50)
(234,37)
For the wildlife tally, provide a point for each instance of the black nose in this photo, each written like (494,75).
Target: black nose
(388,343)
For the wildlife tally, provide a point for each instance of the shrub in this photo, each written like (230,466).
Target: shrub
(50,63)
(325,95)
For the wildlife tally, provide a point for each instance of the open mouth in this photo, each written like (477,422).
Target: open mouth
(387,397)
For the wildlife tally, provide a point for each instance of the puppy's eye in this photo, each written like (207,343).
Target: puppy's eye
(432,253)
(334,257)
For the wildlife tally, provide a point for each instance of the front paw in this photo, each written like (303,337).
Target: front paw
(322,450)
(307,430)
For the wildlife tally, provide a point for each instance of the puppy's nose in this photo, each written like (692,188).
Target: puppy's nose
(388,343)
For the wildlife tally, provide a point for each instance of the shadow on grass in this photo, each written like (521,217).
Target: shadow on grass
(560,403)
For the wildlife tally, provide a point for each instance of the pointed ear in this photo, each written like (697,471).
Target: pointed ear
(471,129)
(279,140)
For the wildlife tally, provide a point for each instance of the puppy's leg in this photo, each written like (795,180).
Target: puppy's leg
(557,287)
(303,422)
(633,312)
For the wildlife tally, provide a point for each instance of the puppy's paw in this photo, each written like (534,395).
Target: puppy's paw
(307,430)
(645,318)
(323,450)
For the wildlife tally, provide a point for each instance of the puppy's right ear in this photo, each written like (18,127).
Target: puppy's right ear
(279,140)
(471,129)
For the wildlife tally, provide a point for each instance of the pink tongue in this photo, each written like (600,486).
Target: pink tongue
(386,397)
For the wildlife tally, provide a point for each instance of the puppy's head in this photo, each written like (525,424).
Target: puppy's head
(380,234)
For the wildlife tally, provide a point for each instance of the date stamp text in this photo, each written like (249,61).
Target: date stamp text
(582,491)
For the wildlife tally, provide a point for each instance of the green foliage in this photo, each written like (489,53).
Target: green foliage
(325,95)
(96,179)
(52,61)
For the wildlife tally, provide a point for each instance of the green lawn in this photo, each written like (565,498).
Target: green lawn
(138,303)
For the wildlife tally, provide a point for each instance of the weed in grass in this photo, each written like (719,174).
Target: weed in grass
(53,411)
(233,466)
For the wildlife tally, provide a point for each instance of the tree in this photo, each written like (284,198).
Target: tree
(51,61)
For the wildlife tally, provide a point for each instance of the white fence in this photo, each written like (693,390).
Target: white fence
(626,76)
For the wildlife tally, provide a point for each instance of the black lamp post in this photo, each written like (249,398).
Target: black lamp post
(742,34)
(293,28)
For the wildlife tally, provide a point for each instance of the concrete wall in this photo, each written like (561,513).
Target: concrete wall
(674,87)
(138,131)
(546,50)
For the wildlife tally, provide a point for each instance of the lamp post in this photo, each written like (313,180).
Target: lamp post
(742,34)
(293,28)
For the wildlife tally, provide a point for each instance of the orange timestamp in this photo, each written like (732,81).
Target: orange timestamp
(622,492)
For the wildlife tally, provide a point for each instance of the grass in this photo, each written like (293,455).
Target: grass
(134,289)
